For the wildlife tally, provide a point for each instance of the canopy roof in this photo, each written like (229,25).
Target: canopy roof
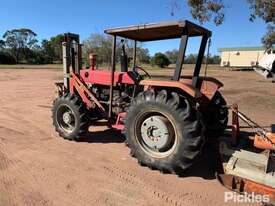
(159,31)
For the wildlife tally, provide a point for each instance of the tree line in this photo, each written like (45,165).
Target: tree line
(22,46)
(170,57)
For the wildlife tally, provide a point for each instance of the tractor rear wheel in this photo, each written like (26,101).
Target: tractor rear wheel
(163,131)
(70,117)
(216,121)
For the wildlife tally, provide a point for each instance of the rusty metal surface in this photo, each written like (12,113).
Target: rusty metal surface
(208,86)
(159,31)
(261,142)
(241,185)
(235,133)
(193,92)
(263,139)
(83,91)
(119,125)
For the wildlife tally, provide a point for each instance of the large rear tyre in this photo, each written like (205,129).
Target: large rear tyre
(163,131)
(217,118)
(70,117)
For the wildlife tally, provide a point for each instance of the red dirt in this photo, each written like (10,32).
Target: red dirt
(39,168)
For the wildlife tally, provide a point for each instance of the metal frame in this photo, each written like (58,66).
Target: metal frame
(66,64)
(180,60)
(72,59)
(77,85)
(113,69)
(71,47)
(113,74)
(159,31)
(199,60)
(135,54)
(186,27)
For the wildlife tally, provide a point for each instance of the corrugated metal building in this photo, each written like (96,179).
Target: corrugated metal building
(241,56)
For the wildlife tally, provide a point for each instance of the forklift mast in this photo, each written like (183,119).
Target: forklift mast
(72,57)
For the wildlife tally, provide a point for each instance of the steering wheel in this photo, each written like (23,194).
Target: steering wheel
(137,68)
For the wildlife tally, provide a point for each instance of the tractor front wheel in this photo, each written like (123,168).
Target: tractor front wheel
(70,117)
(163,131)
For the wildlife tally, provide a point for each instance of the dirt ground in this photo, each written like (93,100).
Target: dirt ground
(39,168)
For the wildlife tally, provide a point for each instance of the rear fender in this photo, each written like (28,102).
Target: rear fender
(207,86)
(185,88)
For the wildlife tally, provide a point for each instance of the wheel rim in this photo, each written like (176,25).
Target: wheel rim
(66,118)
(155,133)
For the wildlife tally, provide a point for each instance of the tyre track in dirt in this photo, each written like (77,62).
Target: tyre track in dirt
(17,124)
(17,130)
(20,188)
(7,196)
(168,182)
(137,181)
(50,147)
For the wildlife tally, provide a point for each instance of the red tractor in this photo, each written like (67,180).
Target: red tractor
(165,121)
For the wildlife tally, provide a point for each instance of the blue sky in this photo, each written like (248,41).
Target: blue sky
(51,17)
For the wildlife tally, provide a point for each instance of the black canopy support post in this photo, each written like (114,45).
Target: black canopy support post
(135,54)
(199,61)
(180,60)
(113,68)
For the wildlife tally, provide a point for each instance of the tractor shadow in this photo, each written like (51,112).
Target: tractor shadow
(207,165)
(105,137)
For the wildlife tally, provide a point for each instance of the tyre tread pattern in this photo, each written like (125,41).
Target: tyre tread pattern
(216,123)
(187,122)
(77,105)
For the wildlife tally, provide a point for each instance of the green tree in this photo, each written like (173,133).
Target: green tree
(52,49)
(172,55)
(213,10)
(264,9)
(101,45)
(47,51)
(19,41)
(214,59)
(2,44)
(269,38)
(190,59)
(36,56)
(6,58)
(143,55)
(160,59)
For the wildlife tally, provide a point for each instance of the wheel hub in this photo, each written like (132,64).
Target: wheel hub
(155,132)
(67,118)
